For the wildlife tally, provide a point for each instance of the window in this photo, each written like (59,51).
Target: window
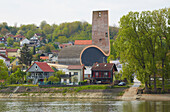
(100,14)
(97,74)
(75,73)
(105,74)
(106,34)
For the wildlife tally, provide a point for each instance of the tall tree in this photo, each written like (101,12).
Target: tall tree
(139,42)
(26,56)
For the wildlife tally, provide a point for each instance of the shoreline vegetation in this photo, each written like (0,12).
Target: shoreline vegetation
(85,91)
(82,92)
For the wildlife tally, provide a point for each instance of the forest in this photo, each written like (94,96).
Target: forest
(61,33)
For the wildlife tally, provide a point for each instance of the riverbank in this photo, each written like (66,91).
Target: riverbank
(77,92)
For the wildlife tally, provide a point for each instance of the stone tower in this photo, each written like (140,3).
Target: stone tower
(100,31)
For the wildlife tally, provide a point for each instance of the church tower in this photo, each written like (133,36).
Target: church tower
(100,30)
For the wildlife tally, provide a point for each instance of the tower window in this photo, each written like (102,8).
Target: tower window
(100,14)
(106,34)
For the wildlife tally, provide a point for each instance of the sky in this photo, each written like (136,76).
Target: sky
(59,11)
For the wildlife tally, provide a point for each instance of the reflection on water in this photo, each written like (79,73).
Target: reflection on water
(81,105)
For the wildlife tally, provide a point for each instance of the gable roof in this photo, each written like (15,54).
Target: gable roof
(75,67)
(83,42)
(5,57)
(12,50)
(43,65)
(104,66)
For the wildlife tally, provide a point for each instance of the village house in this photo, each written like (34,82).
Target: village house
(5,59)
(103,72)
(16,63)
(76,72)
(13,52)
(3,51)
(24,41)
(3,40)
(61,46)
(39,71)
(18,38)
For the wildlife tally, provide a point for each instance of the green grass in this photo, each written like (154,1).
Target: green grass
(26,85)
(121,93)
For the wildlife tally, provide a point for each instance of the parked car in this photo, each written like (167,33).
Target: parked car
(122,84)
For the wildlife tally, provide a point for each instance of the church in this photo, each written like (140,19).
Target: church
(97,51)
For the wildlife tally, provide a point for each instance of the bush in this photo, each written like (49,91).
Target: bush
(83,82)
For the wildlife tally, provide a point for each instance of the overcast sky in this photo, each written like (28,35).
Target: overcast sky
(59,11)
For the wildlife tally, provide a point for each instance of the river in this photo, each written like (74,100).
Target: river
(80,105)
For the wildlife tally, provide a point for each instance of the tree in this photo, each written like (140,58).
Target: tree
(10,41)
(42,24)
(4,31)
(17,77)
(26,56)
(3,70)
(53,79)
(139,42)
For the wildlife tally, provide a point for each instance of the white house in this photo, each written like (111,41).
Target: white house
(5,59)
(76,71)
(24,41)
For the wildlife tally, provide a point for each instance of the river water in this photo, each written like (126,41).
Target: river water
(80,105)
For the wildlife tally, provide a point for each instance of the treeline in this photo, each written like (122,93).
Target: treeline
(55,33)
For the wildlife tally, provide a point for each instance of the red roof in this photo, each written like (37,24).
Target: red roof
(65,45)
(43,65)
(104,66)
(19,36)
(44,57)
(75,67)
(5,57)
(83,42)
(12,50)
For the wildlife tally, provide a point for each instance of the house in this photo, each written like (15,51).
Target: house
(5,59)
(39,71)
(65,78)
(35,41)
(76,71)
(18,38)
(103,72)
(83,42)
(24,41)
(16,63)
(3,40)
(13,52)
(3,51)
(87,72)
(64,45)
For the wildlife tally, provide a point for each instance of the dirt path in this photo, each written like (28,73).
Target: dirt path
(130,94)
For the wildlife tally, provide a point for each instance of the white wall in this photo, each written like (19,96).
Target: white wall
(80,74)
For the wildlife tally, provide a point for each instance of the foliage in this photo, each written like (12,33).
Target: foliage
(3,70)
(17,77)
(10,41)
(143,41)
(2,45)
(15,67)
(53,79)
(26,56)
(11,58)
